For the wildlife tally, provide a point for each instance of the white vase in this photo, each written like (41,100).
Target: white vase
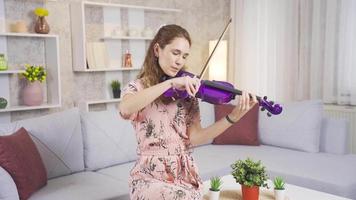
(279,194)
(214,195)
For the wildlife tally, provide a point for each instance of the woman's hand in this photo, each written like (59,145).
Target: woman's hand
(191,85)
(244,105)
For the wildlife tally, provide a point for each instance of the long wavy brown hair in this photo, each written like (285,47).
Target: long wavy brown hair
(151,73)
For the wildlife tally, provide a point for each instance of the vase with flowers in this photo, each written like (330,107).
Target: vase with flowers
(32,94)
(41,25)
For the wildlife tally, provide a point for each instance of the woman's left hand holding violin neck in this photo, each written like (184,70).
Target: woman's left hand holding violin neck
(245,103)
(190,84)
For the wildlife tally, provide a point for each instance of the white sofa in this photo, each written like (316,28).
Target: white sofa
(89,156)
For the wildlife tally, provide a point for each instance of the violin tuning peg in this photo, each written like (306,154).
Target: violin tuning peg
(271,102)
(263,109)
(269,114)
(265,97)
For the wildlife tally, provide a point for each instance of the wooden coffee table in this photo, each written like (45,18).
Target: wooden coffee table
(232,190)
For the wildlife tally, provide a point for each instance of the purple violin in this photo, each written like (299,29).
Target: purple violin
(218,92)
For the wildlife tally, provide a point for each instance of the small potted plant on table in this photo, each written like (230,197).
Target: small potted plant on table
(279,188)
(251,176)
(215,186)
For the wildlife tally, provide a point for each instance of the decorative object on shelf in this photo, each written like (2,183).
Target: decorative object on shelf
(147,32)
(3,103)
(279,190)
(41,25)
(115,86)
(3,63)
(134,32)
(251,176)
(118,32)
(19,27)
(32,94)
(127,59)
(215,186)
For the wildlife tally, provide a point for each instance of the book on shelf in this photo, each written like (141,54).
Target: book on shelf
(97,55)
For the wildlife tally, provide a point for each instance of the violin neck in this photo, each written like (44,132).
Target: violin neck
(227,89)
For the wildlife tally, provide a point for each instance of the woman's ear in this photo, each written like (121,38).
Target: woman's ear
(156,49)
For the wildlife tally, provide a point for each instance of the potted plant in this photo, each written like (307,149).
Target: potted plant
(279,188)
(251,176)
(41,25)
(3,103)
(115,86)
(215,185)
(32,94)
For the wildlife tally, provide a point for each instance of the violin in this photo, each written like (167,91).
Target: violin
(218,92)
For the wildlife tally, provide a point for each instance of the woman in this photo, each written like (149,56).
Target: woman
(167,129)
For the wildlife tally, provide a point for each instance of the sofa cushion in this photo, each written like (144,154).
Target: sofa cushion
(58,138)
(297,127)
(334,136)
(83,185)
(118,172)
(8,190)
(21,159)
(108,139)
(207,115)
(319,171)
(243,132)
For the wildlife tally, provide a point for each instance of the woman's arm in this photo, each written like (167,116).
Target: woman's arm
(132,103)
(199,135)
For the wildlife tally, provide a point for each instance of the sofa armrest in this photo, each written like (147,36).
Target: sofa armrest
(334,136)
(8,190)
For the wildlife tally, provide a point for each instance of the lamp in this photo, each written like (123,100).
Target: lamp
(218,63)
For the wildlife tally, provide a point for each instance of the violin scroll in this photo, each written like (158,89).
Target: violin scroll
(272,108)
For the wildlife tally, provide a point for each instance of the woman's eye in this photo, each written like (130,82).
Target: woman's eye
(175,53)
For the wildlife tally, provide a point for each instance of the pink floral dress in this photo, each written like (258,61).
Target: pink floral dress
(165,168)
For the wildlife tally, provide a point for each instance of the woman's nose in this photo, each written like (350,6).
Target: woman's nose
(179,61)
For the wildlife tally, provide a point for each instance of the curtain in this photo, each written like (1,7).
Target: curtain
(295,49)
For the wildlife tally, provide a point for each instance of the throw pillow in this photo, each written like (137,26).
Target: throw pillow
(21,159)
(244,132)
(297,127)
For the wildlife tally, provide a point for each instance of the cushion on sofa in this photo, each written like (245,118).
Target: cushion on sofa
(334,136)
(243,132)
(83,186)
(108,139)
(21,159)
(58,138)
(207,116)
(297,127)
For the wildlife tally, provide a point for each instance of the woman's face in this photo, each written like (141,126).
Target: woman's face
(173,56)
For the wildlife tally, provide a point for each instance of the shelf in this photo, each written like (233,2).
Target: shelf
(130,6)
(21,108)
(12,71)
(109,69)
(103,101)
(28,35)
(125,38)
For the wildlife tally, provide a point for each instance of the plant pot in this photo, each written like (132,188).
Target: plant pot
(32,94)
(250,193)
(214,195)
(41,26)
(279,194)
(116,93)
(3,103)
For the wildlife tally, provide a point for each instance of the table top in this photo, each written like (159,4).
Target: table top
(232,190)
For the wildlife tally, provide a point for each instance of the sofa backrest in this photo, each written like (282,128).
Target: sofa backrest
(58,138)
(335,136)
(108,139)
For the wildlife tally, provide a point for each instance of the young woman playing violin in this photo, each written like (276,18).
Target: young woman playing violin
(168,129)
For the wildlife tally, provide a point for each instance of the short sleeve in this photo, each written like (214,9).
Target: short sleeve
(131,88)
